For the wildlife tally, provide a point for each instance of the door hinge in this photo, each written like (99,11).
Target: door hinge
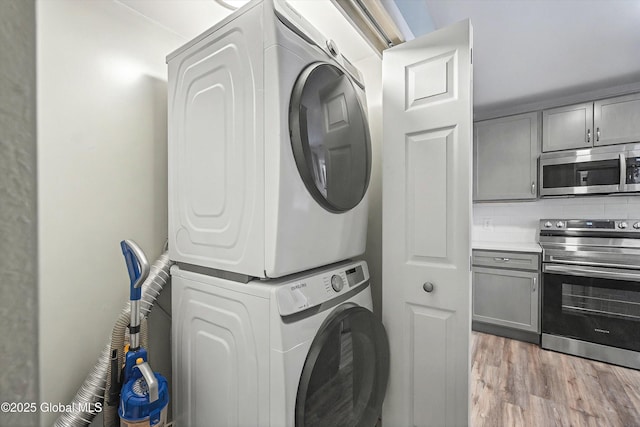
(472,55)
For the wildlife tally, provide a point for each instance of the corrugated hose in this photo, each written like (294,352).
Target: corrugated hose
(95,388)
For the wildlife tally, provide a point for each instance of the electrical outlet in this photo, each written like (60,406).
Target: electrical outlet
(487,224)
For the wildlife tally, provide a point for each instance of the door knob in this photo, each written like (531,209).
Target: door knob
(428,287)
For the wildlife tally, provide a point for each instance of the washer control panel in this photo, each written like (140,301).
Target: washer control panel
(313,289)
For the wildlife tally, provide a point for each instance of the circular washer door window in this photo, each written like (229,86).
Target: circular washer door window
(344,378)
(330,137)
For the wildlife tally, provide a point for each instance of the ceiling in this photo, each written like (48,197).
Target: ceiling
(531,50)
(524,50)
(189,18)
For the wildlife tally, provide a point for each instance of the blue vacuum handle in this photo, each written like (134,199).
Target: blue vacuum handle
(137,266)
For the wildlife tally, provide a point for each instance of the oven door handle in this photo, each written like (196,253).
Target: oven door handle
(602,273)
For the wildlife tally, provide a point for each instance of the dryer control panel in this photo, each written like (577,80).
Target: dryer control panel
(313,290)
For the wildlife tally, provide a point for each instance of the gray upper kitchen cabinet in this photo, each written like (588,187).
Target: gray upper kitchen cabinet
(567,127)
(617,120)
(505,153)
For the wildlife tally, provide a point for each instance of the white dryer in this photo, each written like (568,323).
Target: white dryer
(302,351)
(269,147)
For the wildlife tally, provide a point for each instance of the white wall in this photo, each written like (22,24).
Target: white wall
(101,174)
(518,221)
(371,69)
(18,217)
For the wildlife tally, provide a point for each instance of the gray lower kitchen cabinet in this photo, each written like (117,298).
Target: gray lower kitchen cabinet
(506,299)
(567,127)
(505,153)
(617,120)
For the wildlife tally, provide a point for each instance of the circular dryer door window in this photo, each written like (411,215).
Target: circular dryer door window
(330,137)
(345,375)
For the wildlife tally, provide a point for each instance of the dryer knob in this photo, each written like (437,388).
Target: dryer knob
(333,49)
(337,283)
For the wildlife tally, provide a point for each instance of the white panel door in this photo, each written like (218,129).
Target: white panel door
(427,150)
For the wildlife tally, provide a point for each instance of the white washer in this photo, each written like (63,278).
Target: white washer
(269,147)
(302,351)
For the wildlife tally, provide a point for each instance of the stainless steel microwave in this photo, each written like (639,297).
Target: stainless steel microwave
(602,170)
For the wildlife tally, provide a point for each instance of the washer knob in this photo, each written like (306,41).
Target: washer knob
(622,225)
(548,224)
(559,224)
(636,225)
(337,283)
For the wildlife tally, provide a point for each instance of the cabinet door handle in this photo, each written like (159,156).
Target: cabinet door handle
(501,259)
(533,188)
(588,135)
(535,285)
(428,287)
(597,134)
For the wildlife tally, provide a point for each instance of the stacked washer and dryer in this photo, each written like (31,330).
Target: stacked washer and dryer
(269,164)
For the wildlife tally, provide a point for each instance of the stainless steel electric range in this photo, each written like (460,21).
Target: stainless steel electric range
(591,289)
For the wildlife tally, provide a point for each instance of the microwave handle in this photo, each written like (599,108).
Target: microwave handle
(623,171)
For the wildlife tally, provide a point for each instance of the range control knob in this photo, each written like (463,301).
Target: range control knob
(622,225)
(548,224)
(337,283)
(559,224)
(636,225)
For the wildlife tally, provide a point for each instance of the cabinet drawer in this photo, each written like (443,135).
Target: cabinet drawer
(500,259)
(508,298)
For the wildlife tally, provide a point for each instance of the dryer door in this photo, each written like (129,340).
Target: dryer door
(330,137)
(345,375)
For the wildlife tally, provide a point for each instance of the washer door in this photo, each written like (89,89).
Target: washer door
(330,137)
(344,378)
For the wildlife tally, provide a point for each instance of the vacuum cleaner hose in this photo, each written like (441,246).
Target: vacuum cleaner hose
(96,385)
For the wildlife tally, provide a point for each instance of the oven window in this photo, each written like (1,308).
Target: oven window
(603,311)
(603,172)
(612,303)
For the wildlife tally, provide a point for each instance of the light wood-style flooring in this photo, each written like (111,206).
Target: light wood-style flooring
(519,384)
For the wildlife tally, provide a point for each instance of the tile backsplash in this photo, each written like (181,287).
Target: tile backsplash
(518,221)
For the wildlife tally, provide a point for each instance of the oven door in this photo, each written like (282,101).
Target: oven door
(595,304)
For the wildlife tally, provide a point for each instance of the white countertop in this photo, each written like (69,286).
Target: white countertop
(507,246)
